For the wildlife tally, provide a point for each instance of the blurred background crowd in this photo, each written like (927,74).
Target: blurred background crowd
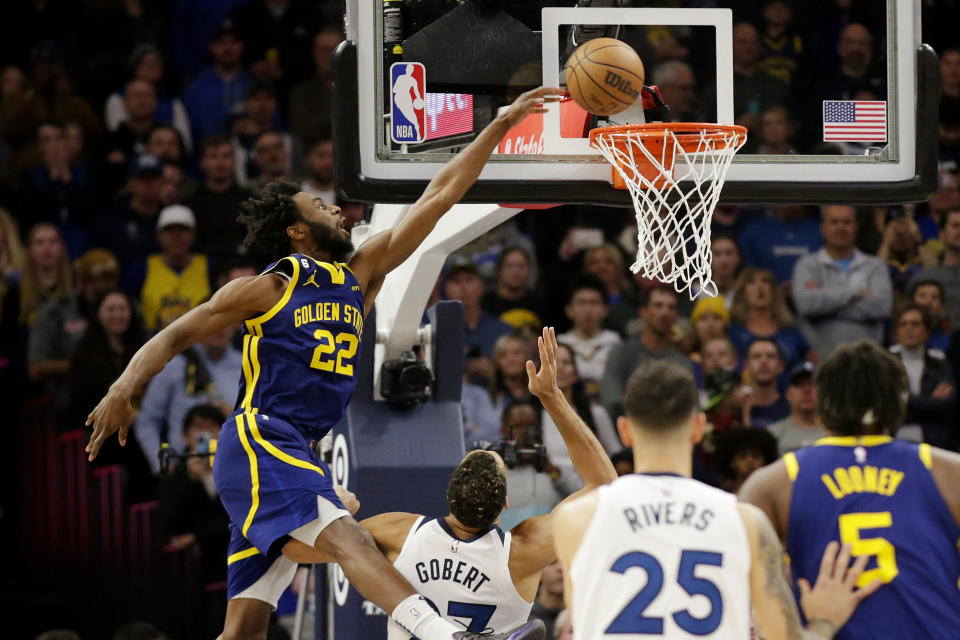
(130,131)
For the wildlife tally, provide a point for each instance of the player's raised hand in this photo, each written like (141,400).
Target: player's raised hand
(544,382)
(835,596)
(114,413)
(532,102)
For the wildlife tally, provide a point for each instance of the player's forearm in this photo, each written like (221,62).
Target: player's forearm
(458,175)
(587,454)
(149,360)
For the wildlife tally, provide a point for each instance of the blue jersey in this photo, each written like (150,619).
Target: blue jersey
(298,357)
(877,494)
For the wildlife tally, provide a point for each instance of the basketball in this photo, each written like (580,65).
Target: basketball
(418,103)
(604,76)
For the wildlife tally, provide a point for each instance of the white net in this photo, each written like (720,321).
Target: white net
(674,177)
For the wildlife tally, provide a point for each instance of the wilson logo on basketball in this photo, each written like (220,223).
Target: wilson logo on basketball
(614,80)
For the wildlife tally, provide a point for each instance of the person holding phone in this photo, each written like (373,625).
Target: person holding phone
(191,514)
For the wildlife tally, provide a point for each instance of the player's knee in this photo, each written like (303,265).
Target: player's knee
(347,540)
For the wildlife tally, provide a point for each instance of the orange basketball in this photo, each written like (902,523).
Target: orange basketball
(604,76)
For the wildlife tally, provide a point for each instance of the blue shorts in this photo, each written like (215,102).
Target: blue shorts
(274,487)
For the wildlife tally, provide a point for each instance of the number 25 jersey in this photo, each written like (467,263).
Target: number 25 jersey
(298,357)
(663,557)
(877,494)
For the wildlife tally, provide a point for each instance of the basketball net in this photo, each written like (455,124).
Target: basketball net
(674,172)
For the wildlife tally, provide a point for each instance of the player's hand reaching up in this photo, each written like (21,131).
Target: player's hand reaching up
(531,102)
(544,382)
(834,597)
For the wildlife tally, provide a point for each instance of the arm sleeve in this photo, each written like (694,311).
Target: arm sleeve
(816,302)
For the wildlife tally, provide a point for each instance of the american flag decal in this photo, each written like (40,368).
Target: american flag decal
(854,121)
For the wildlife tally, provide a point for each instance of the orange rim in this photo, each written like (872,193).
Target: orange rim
(688,136)
(684,131)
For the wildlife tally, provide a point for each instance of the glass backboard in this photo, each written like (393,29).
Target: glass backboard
(840,103)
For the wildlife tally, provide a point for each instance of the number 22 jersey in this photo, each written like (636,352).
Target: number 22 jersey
(877,494)
(298,357)
(666,557)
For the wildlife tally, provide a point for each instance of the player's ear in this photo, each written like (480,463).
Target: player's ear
(699,425)
(625,431)
(296,231)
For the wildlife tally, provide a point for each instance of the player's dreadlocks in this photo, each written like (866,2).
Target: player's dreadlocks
(267,215)
(477,491)
(861,389)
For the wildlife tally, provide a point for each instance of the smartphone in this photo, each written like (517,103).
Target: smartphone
(203,442)
(586,238)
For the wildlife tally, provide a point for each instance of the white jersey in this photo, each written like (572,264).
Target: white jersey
(467,581)
(664,556)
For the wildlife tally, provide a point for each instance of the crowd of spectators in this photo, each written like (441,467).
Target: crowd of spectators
(125,153)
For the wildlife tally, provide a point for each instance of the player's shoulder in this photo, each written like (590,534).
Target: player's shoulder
(576,509)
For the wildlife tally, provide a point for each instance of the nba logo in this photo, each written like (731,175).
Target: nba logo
(408,102)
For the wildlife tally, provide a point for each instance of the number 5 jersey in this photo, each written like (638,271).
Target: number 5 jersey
(877,494)
(298,357)
(664,556)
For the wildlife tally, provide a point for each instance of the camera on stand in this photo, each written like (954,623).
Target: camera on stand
(406,380)
(507,449)
(170,459)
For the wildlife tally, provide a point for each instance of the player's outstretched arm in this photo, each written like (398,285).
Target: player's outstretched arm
(587,454)
(828,605)
(235,302)
(385,251)
(533,538)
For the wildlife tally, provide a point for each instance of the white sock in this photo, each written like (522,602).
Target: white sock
(419,619)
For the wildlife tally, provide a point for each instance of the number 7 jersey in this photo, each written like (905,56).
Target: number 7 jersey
(663,557)
(298,357)
(877,494)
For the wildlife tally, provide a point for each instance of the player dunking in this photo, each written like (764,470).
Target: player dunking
(303,319)
(897,503)
(660,554)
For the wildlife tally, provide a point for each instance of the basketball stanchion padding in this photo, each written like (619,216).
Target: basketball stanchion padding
(674,173)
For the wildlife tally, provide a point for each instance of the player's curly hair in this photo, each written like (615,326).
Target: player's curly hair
(861,389)
(267,214)
(477,490)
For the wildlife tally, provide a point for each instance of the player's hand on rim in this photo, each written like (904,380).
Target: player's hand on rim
(834,597)
(544,382)
(114,413)
(532,101)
